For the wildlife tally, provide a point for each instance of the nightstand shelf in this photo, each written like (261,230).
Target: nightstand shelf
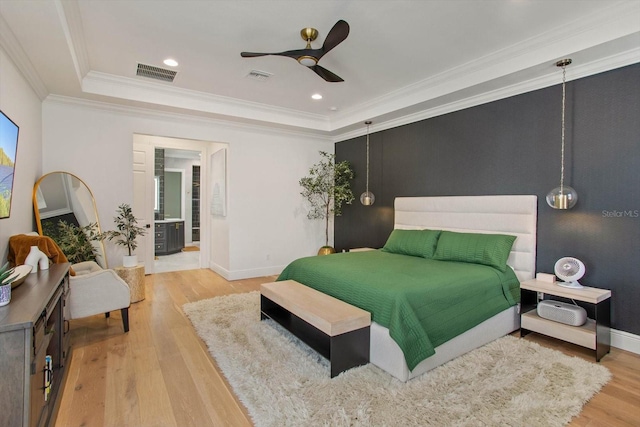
(595,334)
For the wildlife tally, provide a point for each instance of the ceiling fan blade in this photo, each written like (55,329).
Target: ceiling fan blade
(326,74)
(336,35)
(253,54)
(290,53)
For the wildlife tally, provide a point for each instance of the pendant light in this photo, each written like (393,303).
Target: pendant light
(563,197)
(367,198)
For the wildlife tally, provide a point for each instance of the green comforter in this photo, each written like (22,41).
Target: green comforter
(423,302)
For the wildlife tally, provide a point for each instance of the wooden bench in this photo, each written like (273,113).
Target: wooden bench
(333,328)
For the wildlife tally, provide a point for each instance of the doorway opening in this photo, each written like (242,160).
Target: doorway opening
(176,234)
(177,211)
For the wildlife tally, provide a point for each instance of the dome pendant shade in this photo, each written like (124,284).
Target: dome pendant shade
(367,198)
(562,197)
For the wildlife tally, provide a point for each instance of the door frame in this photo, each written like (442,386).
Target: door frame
(204,148)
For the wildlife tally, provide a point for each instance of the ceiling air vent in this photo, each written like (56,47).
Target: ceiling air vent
(258,75)
(156,73)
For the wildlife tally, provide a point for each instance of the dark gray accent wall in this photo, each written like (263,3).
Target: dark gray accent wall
(512,146)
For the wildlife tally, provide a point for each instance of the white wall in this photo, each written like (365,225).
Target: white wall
(266,216)
(20,104)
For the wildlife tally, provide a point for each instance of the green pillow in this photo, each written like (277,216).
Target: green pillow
(421,243)
(488,249)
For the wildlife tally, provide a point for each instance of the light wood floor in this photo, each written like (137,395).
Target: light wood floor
(160,373)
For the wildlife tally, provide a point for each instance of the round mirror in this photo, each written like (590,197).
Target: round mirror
(66,211)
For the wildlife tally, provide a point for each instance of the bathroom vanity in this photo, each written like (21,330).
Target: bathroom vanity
(169,236)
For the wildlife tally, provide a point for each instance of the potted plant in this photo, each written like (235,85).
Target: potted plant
(6,277)
(327,188)
(126,233)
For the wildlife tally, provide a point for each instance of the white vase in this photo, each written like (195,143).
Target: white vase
(130,260)
(36,258)
(5,294)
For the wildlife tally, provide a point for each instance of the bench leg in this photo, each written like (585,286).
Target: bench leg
(343,351)
(349,350)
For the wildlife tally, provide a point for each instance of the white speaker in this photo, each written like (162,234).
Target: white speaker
(562,312)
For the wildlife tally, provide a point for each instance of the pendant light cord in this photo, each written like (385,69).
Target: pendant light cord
(367,189)
(564,72)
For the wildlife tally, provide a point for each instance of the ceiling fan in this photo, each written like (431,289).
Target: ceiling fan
(309,57)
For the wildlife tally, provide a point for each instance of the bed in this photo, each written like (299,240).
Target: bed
(462,305)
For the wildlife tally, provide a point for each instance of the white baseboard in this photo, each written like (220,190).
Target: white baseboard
(625,341)
(246,274)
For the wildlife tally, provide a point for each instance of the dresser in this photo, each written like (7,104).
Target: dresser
(34,348)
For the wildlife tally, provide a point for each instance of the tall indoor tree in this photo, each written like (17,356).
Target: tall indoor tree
(327,188)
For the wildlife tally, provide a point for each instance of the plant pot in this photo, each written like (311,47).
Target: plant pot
(5,294)
(326,250)
(130,260)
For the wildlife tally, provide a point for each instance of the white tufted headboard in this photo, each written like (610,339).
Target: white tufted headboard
(514,215)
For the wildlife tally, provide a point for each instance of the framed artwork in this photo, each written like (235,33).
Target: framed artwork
(8,150)
(219,183)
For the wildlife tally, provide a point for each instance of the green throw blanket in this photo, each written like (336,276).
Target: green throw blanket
(423,302)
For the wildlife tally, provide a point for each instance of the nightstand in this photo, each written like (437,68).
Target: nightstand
(595,334)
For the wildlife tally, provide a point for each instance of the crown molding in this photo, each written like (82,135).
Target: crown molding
(163,94)
(12,47)
(615,23)
(476,82)
(71,23)
(577,71)
(176,117)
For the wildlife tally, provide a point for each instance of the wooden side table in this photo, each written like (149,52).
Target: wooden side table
(134,276)
(595,334)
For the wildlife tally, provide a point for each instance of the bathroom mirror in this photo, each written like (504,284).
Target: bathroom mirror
(63,197)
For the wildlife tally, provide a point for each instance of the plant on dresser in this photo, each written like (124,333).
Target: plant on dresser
(6,277)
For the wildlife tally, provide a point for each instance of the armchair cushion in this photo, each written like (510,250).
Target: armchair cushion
(86,267)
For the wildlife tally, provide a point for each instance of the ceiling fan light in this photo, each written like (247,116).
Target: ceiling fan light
(307,61)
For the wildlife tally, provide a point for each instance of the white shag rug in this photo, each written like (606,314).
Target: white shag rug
(510,382)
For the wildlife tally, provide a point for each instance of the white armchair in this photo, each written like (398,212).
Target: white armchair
(94,290)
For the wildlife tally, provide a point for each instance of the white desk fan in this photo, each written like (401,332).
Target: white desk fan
(570,270)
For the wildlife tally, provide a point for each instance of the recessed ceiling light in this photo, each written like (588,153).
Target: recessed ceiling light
(170,62)
(316,96)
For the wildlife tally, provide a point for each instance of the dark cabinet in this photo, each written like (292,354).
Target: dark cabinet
(35,347)
(169,237)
